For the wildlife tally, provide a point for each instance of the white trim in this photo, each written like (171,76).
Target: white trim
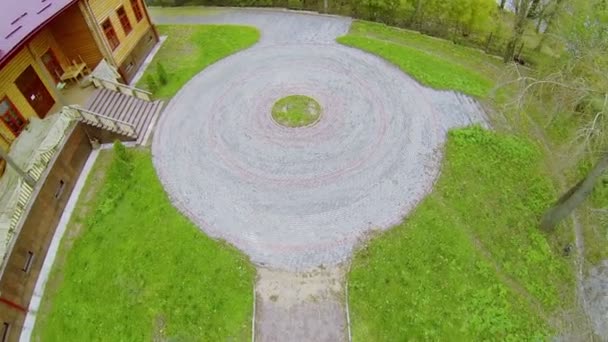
(253,315)
(350,336)
(145,141)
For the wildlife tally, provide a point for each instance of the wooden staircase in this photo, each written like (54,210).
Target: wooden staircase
(122,109)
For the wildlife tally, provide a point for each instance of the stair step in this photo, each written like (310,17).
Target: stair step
(151,119)
(127,108)
(142,114)
(130,109)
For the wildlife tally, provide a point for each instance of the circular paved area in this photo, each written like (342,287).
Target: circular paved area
(297,198)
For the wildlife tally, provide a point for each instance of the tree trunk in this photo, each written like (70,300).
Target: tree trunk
(542,14)
(510,50)
(550,19)
(539,22)
(574,197)
(502,4)
(533,9)
(519,29)
(414,20)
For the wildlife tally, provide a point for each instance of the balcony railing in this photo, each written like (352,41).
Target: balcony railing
(122,88)
(111,124)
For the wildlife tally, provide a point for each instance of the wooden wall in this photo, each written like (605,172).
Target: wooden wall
(104,9)
(135,59)
(8,75)
(74,37)
(68,36)
(43,41)
(17,285)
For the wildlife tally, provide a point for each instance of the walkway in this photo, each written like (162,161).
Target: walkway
(299,199)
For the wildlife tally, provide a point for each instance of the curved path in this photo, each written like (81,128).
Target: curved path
(297,198)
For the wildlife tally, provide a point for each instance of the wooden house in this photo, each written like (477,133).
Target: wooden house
(41,40)
(43,45)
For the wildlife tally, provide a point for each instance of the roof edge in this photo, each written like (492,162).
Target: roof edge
(6,58)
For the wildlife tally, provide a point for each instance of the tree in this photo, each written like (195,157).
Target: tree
(575,196)
(575,87)
(521,9)
(553,8)
(535,8)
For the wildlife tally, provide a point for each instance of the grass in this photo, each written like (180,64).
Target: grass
(191,48)
(183,11)
(296,111)
(469,263)
(433,62)
(132,268)
(593,216)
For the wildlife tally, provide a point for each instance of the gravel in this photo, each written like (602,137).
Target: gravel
(596,292)
(297,198)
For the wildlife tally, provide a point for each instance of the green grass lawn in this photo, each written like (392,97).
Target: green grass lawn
(183,11)
(469,263)
(433,62)
(296,111)
(132,268)
(191,48)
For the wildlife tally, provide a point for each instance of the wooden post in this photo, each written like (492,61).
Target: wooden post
(98,36)
(26,177)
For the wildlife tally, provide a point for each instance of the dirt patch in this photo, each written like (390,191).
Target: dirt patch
(305,306)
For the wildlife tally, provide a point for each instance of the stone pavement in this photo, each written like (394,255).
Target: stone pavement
(298,200)
(300,306)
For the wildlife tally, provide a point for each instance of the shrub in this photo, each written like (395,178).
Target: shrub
(151,83)
(163,79)
(118,177)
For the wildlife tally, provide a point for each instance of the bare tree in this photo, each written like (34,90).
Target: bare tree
(521,9)
(575,89)
(549,13)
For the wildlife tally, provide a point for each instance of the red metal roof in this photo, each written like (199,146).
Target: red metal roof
(21,19)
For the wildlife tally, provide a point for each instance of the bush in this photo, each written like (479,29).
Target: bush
(119,175)
(163,79)
(151,83)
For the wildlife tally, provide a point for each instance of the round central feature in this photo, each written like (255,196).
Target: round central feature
(296,111)
(298,198)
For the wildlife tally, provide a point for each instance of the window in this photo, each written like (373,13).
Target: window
(28,262)
(108,30)
(124,20)
(129,67)
(137,10)
(11,117)
(60,188)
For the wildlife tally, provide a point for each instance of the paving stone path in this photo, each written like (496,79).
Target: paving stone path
(299,199)
(301,306)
